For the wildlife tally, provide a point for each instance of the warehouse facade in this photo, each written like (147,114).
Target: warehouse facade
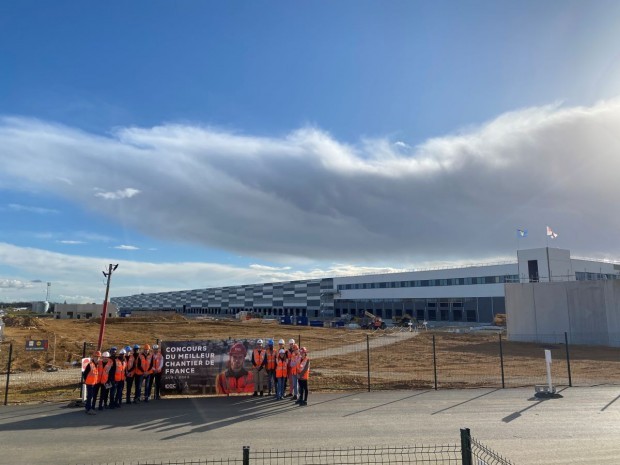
(463,294)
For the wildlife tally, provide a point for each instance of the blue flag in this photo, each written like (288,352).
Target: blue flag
(521,232)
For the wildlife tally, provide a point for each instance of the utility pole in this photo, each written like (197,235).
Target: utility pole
(108,275)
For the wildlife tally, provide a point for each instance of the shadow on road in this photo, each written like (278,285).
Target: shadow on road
(179,417)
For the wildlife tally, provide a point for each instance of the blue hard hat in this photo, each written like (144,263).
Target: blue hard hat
(270,342)
(128,349)
(112,349)
(136,346)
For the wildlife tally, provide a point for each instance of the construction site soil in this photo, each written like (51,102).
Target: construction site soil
(342,359)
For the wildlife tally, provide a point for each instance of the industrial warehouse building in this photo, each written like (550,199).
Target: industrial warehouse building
(463,294)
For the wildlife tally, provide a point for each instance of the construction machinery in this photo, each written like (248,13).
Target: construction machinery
(372,321)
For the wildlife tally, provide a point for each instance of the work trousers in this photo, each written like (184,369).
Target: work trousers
(91,395)
(129,384)
(138,387)
(280,388)
(259,379)
(157,384)
(118,393)
(294,384)
(303,390)
(271,380)
(103,398)
(148,386)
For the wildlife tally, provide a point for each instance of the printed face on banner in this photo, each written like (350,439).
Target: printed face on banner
(207,367)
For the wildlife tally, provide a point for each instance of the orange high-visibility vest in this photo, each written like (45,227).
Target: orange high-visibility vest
(227,384)
(104,371)
(158,362)
(271,355)
(93,375)
(119,374)
(302,364)
(130,366)
(258,357)
(143,364)
(294,364)
(281,367)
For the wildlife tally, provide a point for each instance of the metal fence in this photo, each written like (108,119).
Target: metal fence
(354,360)
(444,454)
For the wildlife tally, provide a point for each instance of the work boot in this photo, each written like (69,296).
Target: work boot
(261,393)
(294,398)
(255,394)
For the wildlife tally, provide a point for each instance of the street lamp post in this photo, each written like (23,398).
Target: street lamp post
(108,275)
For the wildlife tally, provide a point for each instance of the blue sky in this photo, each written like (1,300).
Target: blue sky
(214,143)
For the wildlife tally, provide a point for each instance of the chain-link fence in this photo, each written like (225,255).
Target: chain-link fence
(439,454)
(354,360)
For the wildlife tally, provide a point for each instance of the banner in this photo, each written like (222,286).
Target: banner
(208,367)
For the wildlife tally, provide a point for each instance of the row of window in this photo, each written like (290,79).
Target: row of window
(583,276)
(511,278)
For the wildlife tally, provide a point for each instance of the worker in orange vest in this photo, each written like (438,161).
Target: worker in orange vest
(130,370)
(158,367)
(303,373)
(91,380)
(104,367)
(236,378)
(281,373)
(289,374)
(119,380)
(259,360)
(144,368)
(293,364)
(270,366)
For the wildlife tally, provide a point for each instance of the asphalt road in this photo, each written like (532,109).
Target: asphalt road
(582,427)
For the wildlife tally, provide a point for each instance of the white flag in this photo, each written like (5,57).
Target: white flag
(550,233)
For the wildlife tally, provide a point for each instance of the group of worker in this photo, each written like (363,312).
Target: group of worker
(274,369)
(107,374)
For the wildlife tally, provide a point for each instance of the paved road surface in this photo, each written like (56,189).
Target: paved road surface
(583,427)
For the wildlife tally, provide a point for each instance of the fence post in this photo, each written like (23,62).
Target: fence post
(501,359)
(299,340)
(434,363)
(466,454)
(246,455)
(570,380)
(8,374)
(368,359)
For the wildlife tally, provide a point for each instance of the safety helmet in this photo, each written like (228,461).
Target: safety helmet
(270,342)
(96,353)
(281,341)
(122,352)
(282,351)
(260,342)
(113,350)
(291,341)
(238,349)
(155,347)
(295,347)
(105,354)
(127,349)
(303,350)
(147,347)
(137,346)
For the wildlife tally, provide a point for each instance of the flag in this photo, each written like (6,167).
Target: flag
(521,232)
(550,233)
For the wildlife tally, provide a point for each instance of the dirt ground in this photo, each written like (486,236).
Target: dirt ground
(342,359)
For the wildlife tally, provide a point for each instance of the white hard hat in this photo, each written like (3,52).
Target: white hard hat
(260,341)
(291,341)
(155,346)
(122,352)
(281,341)
(105,354)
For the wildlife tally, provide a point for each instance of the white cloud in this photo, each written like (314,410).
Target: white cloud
(14,284)
(126,247)
(30,209)
(126,193)
(71,242)
(80,277)
(269,268)
(308,196)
